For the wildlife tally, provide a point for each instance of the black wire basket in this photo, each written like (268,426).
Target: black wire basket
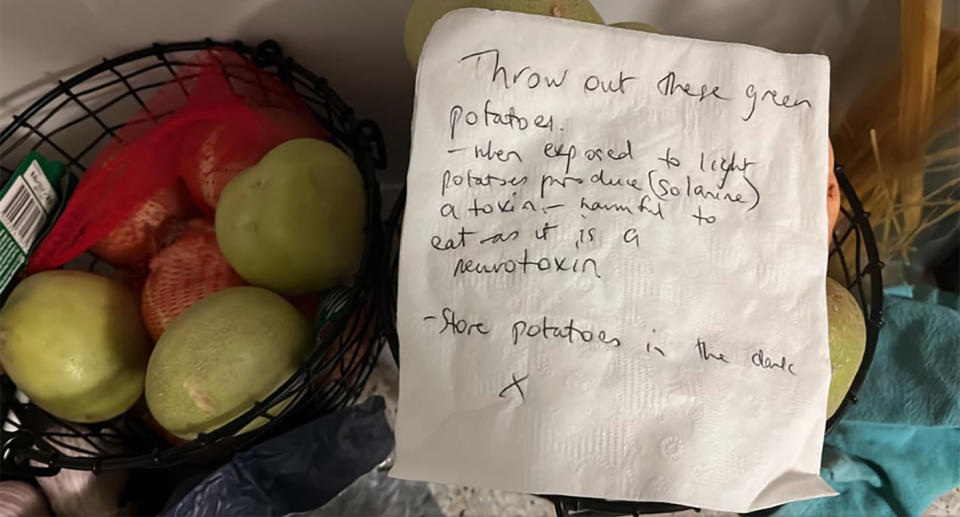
(70,123)
(859,271)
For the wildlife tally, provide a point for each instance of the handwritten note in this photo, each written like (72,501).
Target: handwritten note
(612,265)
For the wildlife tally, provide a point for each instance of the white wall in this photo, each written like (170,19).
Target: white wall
(357,44)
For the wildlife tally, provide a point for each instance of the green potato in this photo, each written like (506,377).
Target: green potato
(74,342)
(294,222)
(848,338)
(221,356)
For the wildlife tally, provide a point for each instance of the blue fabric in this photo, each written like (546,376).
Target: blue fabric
(898,449)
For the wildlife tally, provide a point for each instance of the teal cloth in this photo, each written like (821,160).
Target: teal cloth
(898,449)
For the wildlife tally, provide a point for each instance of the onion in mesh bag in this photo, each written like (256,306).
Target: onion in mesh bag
(215,151)
(184,273)
(136,239)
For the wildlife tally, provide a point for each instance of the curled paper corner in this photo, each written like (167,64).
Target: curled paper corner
(804,485)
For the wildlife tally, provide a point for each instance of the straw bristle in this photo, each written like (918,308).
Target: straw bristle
(885,140)
(919,48)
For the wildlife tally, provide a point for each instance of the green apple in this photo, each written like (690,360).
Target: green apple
(848,338)
(294,222)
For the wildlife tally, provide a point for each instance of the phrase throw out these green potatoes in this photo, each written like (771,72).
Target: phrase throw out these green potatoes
(294,222)
(75,344)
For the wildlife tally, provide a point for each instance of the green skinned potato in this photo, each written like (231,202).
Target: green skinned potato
(848,338)
(74,343)
(423,14)
(294,222)
(221,356)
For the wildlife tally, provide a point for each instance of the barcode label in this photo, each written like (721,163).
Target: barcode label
(28,203)
(22,213)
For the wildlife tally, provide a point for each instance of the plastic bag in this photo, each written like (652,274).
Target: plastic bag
(219,115)
(296,471)
(376,494)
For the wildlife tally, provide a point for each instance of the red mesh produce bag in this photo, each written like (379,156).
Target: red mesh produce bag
(184,273)
(251,112)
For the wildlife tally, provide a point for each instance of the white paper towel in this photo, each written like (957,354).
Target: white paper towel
(612,265)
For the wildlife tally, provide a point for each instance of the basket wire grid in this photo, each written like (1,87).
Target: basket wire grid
(861,274)
(81,115)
